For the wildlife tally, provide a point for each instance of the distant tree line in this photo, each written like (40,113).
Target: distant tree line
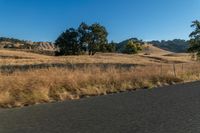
(12,40)
(176,45)
(86,38)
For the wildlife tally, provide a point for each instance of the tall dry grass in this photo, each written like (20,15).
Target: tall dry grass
(57,84)
(28,78)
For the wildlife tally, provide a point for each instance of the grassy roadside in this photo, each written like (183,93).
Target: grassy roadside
(29,78)
(57,84)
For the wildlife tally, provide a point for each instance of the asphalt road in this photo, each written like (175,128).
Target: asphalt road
(174,109)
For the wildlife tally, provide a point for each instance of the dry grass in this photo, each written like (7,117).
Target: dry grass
(8,57)
(114,73)
(55,84)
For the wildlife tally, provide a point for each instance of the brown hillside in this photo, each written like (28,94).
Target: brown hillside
(149,49)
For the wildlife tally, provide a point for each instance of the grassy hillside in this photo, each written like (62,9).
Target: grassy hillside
(153,50)
(40,47)
(28,78)
(176,45)
(12,57)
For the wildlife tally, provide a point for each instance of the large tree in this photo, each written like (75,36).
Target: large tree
(68,43)
(97,36)
(83,31)
(86,37)
(195,38)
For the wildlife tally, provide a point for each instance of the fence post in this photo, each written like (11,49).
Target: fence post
(182,69)
(174,68)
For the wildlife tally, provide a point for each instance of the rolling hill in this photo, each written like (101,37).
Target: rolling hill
(176,45)
(150,49)
(120,46)
(22,44)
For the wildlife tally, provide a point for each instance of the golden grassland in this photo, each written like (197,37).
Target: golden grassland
(8,57)
(34,86)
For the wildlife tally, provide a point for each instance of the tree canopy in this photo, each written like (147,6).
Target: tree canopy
(121,47)
(195,38)
(132,47)
(68,42)
(89,38)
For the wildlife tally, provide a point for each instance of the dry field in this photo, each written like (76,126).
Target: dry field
(28,78)
(157,56)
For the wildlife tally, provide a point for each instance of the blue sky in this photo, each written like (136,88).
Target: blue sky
(44,20)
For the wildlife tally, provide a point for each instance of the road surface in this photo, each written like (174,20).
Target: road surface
(173,109)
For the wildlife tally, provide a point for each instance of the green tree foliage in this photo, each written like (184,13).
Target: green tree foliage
(111,47)
(108,47)
(68,43)
(86,37)
(132,47)
(120,47)
(98,36)
(195,39)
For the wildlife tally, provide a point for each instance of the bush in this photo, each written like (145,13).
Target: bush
(132,47)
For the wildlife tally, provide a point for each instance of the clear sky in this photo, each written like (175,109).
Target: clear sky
(44,20)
